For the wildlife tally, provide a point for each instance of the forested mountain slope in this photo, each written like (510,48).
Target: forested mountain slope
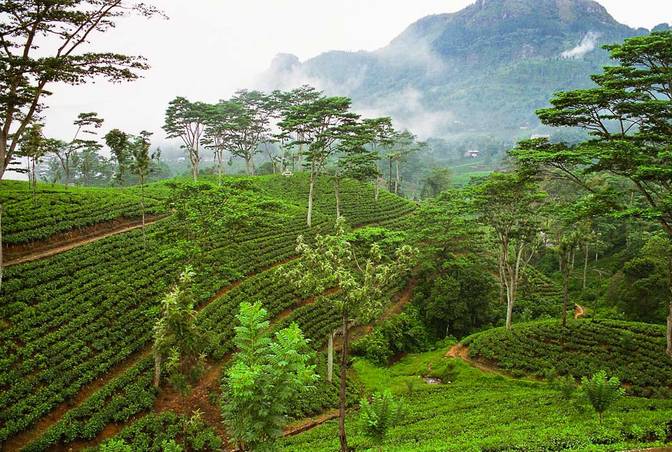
(484,69)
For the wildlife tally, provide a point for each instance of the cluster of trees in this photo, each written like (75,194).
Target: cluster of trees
(79,161)
(297,127)
(562,199)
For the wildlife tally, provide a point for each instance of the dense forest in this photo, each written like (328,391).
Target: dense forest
(312,278)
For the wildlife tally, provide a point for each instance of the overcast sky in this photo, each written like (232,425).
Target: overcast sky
(210,48)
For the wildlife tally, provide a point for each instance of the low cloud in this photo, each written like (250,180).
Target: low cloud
(408,111)
(587,44)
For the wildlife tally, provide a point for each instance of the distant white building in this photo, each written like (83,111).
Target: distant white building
(472,153)
(537,136)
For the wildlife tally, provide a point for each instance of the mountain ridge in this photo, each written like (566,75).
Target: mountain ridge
(483,69)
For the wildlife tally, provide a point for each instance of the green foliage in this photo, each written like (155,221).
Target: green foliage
(29,217)
(179,341)
(601,392)
(457,297)
(380,414)
(402,333)
(115,445)
(489,412)
(581,349)
(266,375)
(566,385)
(67,325)
(152,433)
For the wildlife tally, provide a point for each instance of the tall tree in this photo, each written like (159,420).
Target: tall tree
(249,128)
(381,133)
(319,125)
(118,143)
(34,148)
(629,117)
(186,120)
(43,43)
(400,146)
(141,165)
(267,374)
(333,262)
(509,205)
(284,100)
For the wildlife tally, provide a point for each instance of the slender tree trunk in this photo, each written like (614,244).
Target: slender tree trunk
(330,358)
(502,282)
(220,171)
(3,154)
(585,266)
(341,393)
(377,188)
(157,370)
(397,181)
(389,181)
(509,307)
(195,162)
(311,191)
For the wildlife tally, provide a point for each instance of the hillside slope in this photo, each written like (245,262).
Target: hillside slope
(68,321)
(479,411)
(633,352)
(484,69)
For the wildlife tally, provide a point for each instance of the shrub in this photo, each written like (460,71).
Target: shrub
(601,392)
(380,414)
(566,385)
(115,445)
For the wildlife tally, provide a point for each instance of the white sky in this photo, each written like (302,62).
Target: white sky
(210,48)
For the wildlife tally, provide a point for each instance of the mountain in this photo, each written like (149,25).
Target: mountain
(484,69)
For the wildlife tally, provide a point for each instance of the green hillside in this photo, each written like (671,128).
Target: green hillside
(69,319)
(480,411)
(628,350)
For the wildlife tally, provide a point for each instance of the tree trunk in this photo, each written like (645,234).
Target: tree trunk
(220,172)
(311,191)
(341,393)
(330,358)
(585,266)
(3,154)
(389,181)
(337,191)
(157,370)
(375,196)
(249,166)
(397,181)
(195,161)
(509,307)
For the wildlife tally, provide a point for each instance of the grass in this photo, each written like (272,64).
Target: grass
(489,412)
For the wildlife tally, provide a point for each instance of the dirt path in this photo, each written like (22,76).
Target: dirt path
(306,424)
(60,243)
(579,311)
(460,351)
